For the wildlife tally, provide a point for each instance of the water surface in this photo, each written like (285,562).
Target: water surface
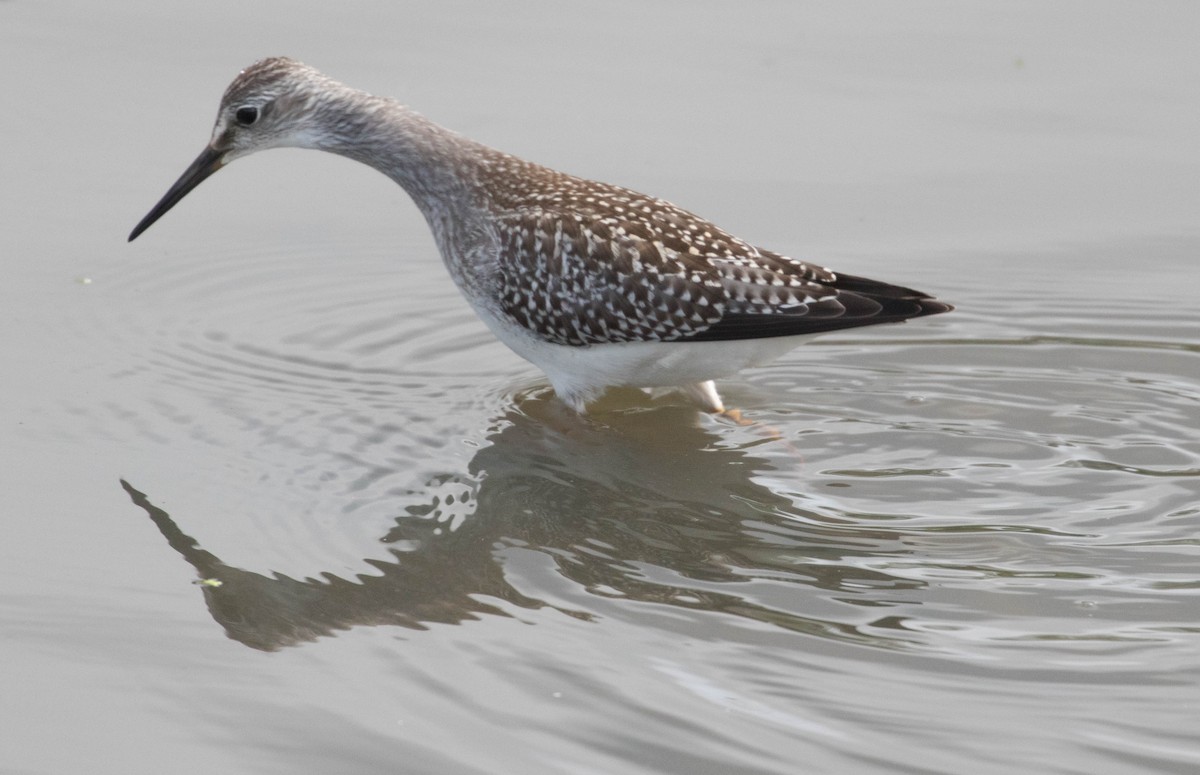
(277,502)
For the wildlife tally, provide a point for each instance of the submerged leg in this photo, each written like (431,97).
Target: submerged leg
(705,394)
(576,397)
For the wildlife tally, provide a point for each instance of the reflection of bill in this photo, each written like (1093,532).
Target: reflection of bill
(645,508)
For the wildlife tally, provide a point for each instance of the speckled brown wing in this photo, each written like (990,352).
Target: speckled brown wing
(621,267)
(576,281)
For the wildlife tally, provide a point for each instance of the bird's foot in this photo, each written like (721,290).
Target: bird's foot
(734,416)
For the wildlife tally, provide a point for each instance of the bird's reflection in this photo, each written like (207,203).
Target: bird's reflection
(606,500)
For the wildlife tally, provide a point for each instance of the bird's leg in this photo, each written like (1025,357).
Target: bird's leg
(705,394)
(577,398)
(735,416)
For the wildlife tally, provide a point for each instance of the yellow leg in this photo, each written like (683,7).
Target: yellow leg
(705,394)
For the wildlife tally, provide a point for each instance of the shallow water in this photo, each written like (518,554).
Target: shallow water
(965,544)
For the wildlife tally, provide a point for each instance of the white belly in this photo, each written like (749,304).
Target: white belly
(580,374)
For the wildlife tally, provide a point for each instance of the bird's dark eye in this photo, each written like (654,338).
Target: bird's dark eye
(246,115)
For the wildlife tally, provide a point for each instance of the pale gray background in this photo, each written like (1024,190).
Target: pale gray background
(972,549)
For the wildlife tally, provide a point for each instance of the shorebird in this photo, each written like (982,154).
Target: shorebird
(597,285)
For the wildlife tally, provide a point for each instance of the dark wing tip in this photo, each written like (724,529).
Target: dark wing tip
(896,300)
(859,302)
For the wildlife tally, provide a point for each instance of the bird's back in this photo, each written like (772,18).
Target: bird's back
(581,262)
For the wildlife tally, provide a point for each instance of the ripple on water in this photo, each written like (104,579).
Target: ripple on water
(965,499)
(1024,462)
(343,387)
(1007,481)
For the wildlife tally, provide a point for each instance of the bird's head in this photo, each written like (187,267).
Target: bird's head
(274,103)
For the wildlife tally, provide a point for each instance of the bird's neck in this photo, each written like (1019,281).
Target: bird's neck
(444,173)
(435,166)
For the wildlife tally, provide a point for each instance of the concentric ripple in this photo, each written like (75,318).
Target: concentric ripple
(1006,494)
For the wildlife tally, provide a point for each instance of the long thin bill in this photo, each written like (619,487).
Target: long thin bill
(208,162)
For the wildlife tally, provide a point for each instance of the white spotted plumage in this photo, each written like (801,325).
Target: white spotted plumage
(596,284)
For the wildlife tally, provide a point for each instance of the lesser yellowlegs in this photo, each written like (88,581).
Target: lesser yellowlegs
(595,284)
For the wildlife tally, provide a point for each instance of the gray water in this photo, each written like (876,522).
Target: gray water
(965,544)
